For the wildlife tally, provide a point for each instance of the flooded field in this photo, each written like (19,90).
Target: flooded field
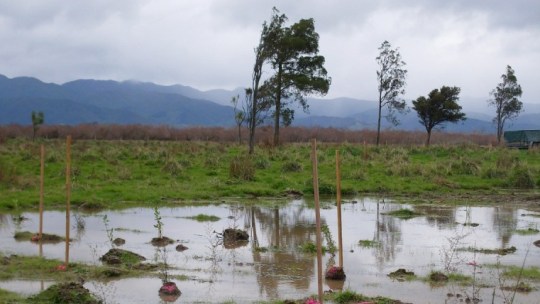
(273,265)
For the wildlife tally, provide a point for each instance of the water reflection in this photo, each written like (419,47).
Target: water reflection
(505,223)
(282,262)
(271,266)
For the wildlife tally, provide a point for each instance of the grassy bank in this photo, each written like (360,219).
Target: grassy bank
(115,173)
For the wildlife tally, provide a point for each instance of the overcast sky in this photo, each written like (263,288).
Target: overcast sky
(208,44)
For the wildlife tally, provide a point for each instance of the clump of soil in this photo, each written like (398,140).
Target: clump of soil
(65,293)
(401,274)
(335,273)
(537,243)
(181,248)
(438,277)
(234,238)
(119,241)
(161,241)
(231,234)
(117,256)
(169,292)
(34,237)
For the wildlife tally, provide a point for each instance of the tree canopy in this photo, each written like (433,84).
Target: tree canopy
(391,82)
(439,107)
(38,118)
(298,68)
(505,100)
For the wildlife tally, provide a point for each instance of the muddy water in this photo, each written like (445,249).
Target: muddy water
(279,270)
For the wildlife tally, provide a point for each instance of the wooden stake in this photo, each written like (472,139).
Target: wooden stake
(68,194)
(317,218)
(338,201)
(41,197)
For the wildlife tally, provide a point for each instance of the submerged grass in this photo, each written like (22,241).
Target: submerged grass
(404,214)
(204,218)
(116,173)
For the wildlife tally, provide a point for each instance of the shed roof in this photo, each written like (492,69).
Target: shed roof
(522,136)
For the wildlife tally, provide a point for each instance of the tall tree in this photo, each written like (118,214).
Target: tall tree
(262,54)
(505,100)
(391,82)
(37,119)
(441,106)
(298,68)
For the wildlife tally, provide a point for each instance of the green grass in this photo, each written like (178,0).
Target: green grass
(530,273)
(204,218)
(528,231)
(116,174)
(368,243)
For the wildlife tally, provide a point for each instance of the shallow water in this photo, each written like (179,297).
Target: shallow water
(217,274)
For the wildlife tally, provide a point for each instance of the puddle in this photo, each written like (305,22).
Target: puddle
(280,270)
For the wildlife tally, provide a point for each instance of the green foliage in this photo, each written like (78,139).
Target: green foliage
(159,223)
(330,244)
(505,100)
(348,296)
(522,178)
(391,82)
(298,68)
(37,119)
(440,107)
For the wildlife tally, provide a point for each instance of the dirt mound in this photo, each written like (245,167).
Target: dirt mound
(65,293)
(117,256)
(335,273)
(162,241)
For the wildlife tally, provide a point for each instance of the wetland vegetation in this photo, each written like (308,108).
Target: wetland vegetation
(439,184)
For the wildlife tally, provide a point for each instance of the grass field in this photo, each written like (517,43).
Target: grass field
(116,173)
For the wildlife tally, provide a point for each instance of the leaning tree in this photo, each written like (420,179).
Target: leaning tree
(298,68)
(438,108)
(391,82)
(505,100)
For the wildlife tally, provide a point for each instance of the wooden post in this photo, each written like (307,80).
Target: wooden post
(338,201)
(41,197)
(317,218)
(68,194)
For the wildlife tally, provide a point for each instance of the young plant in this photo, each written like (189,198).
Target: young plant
(109,231)
(159,223)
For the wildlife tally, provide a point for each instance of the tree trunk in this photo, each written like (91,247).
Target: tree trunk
(379,120)
(240,134)
(428,138)
(278,106)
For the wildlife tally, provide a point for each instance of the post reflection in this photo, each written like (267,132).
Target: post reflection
(280,261)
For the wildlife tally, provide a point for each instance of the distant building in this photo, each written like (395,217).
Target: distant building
(522,139)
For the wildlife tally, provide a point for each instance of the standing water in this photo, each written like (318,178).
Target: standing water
(274,263)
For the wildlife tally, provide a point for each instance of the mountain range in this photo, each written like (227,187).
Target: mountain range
(134,102)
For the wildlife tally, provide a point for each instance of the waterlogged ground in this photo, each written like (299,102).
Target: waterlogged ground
(279,269)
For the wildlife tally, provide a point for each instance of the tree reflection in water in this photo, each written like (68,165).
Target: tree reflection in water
(504,223)
(387,234)
(282,263)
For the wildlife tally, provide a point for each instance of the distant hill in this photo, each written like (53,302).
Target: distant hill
(97,101)
(135,102)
